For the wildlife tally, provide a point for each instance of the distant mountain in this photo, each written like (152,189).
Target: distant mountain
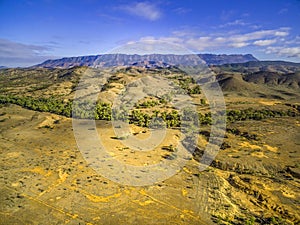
(144,60)
(3,67)
(69,62)
(212,59)
(257,66)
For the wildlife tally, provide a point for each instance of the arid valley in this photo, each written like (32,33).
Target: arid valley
(254,178)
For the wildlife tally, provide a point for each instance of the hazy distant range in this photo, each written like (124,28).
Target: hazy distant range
(149,60)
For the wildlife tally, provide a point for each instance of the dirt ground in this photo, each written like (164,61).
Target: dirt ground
(45,179)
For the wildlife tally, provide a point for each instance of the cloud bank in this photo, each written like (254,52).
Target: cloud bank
(14,53)
(270,41)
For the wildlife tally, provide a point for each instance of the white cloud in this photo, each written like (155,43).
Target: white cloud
(13,53)
(13,49)
(220,39)
(171,39)
(200,43)
(234,23)
(284,51)
(259,35)
(213,41)
(265,42)
(145,10)
(239,44)
(281,33)
(181,11)
(183,33)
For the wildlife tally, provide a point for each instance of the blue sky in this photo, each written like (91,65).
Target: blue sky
(33,31)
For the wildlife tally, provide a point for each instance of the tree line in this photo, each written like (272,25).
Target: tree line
(156,118)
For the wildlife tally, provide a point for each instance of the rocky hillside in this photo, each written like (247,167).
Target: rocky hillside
(273,78)
(262,79)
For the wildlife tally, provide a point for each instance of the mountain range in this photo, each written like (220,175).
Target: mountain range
(256,66)
(148,60)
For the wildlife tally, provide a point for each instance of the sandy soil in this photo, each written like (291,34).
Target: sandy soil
(45,179)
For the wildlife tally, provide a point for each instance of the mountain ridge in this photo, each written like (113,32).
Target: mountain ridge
(124,59)
(256,66)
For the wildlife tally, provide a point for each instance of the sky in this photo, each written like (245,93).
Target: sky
(32,31)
